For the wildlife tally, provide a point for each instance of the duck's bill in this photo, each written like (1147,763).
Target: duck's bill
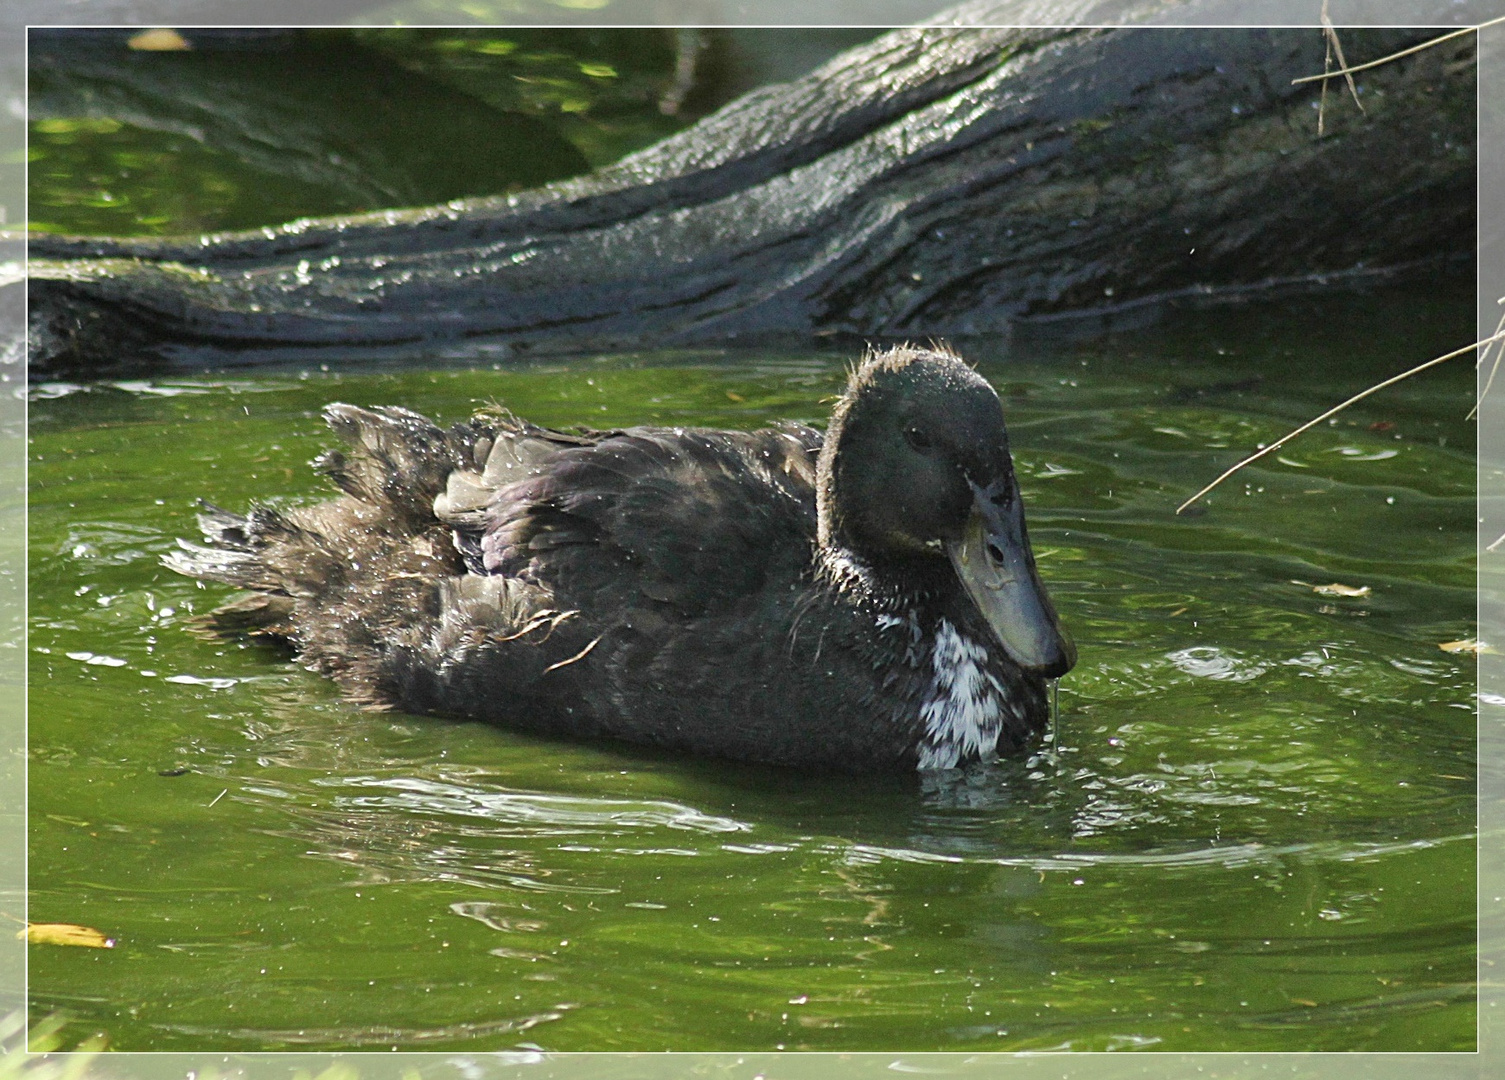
(997,568)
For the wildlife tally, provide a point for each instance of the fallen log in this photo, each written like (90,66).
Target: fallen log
(941,180)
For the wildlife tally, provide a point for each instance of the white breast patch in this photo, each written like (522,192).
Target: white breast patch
(964,705)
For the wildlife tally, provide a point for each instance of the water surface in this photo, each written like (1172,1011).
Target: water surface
(1256,832)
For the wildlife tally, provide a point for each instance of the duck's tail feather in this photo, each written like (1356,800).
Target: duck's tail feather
(236,548)
(258,614)
(264,551)
(378,585)
(397,458)
(378,544)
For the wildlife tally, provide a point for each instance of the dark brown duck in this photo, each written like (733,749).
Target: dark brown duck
(861,600)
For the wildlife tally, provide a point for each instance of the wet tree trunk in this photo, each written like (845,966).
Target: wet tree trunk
(941,180)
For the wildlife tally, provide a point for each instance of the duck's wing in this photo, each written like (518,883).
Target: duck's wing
(690,520)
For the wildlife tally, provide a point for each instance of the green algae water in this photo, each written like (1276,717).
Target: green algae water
(1255,830)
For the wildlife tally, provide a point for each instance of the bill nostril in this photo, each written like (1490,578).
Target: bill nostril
(995,553)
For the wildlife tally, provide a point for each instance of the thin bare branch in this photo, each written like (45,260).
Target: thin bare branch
(1278,443)
(1396,56)
(1499,347)
(1327,65)
(1331,33)
(689,43)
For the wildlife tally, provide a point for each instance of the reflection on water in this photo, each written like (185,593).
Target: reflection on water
(251,129)
(409,832)
(376,1035)
(548,815)
(1255,831)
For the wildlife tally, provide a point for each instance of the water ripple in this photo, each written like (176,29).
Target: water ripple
(519,808)
(1227,856)
(371,1034)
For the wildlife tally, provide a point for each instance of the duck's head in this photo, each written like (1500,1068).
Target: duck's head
(915,473)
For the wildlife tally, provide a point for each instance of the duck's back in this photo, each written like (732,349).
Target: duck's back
(685,522)
(686,558)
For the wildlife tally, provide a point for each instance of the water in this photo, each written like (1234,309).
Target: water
(1257,831)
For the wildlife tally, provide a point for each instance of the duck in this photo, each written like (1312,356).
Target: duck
(860,599)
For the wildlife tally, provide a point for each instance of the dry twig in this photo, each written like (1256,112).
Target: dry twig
(1330,32)
(1499,347)
(1278,443)
(1327,65)
(1346,72)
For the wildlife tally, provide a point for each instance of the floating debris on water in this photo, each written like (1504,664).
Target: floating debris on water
(65,934)
(1467,645)
(1336,589)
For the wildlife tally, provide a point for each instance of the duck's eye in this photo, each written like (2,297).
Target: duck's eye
(917,439)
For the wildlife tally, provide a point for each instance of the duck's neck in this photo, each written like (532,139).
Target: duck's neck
(889,584)
(829,521)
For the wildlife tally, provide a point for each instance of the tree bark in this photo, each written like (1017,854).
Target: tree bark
(942,180)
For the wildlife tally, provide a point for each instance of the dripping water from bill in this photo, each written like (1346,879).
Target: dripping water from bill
(1055,722)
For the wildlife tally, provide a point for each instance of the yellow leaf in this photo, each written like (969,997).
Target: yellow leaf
(1466,645)
(1342,590)
(159,40)
(62,933)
